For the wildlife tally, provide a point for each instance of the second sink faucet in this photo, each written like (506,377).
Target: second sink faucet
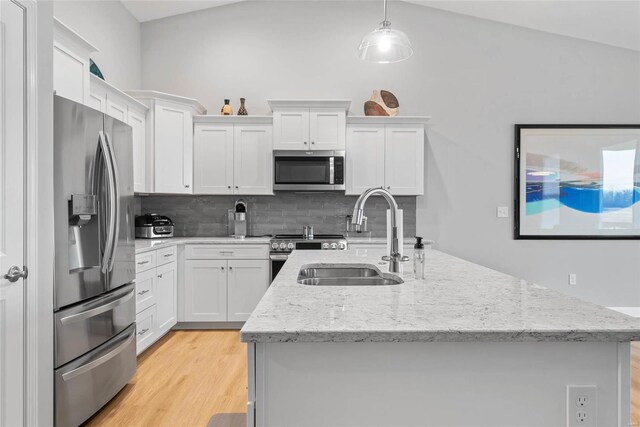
(395,256)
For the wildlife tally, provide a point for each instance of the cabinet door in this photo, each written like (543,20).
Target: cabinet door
(98,99)
(205,290)
(364,158)
(173,149)
(146,285)
(327,129)
(116,108)
(146,332)
(404,160)
(247,283)
(138,129)
(253,159)
(213,159)
(291,129)
(166,297)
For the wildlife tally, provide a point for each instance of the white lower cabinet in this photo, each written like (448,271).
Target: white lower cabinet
(156,295)
(220,287)
(205,290)
(247,281)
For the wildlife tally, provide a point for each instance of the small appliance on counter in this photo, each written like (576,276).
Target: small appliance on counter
(153,226)
(238,220)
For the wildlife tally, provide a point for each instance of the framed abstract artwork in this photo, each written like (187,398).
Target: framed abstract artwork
(577,182)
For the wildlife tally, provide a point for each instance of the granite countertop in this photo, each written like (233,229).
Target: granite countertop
(383,240)
(458,301)
(144,245)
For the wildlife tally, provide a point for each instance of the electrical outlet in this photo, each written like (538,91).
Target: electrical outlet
(573,279)
(502,212)
(582,406)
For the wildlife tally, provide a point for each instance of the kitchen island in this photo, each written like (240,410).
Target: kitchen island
(449,350)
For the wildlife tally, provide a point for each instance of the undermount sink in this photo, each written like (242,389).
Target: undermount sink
(348,275)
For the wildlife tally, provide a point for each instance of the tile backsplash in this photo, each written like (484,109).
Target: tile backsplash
(196,216)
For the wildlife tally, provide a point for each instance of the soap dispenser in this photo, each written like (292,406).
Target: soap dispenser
(418,259)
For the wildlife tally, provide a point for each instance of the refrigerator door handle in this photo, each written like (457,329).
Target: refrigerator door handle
(108,250)
(94,363)
(116,202)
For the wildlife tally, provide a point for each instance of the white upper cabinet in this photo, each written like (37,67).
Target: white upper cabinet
(252,159)
(137,121)
(169,136)
(364,158)
(71,63)
(212,159)
(117,108)
(404,160)
(233,155)
(309,124)
(291,129)
(386,152)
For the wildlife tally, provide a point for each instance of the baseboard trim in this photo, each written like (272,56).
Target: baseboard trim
(629,311)
(208,325)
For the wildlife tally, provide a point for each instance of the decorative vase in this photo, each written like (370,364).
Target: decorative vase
(382,103)
(226,109)
(242,111)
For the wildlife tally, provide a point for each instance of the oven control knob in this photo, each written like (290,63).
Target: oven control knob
(325,246)
(333,246)
(283,246)
(341,245)
(291,246)
(274,245)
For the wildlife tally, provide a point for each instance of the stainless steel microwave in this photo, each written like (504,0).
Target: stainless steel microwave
(308,170)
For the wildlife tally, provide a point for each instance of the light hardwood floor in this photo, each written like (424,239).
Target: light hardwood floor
(188,376)
(182,380)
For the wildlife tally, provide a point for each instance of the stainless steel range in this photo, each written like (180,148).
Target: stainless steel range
(283,244)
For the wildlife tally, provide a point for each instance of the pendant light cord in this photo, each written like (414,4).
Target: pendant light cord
(385,23)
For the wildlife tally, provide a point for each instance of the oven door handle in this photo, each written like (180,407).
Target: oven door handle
(278,257)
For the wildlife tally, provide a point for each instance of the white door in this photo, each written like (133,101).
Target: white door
(213,159)
(252,159)
(166,297)
(327,129)
(137,122)
(205,290)
(404,160)
(248,281)
(173,149)
(364,158)
(291,129)
(116,108)
(12,225)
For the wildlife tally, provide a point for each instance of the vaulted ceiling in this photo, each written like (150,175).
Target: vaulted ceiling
(612,22)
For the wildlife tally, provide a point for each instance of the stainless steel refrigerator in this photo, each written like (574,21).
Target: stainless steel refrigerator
(94,307)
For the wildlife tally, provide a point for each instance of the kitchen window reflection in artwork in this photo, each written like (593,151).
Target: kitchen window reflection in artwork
(577,182)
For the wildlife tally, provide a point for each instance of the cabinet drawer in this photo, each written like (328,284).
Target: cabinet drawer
(166,255)
(145,289)
(145,328)
(145,261)
(240,251)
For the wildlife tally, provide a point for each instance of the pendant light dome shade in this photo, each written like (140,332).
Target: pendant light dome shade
(384,44)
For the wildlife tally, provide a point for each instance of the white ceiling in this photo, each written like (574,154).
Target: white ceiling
(612,22)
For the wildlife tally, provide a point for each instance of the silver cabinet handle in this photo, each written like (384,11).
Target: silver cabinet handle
(168,255)
(89,366)
(95,311)
(186,186)
(389,188)
(230,268)
(236,186)
(305,143)
(228,186)
(144,331)
(221,268)
(143,292)
(160,276)
(226,252)
(16,273)
(143,262)
(313,143)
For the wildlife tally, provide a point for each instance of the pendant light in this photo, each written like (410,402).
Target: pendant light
(384,44)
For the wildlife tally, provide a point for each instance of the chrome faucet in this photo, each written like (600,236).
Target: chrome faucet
(395,256)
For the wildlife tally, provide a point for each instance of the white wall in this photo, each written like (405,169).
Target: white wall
(475,77)
(110,27)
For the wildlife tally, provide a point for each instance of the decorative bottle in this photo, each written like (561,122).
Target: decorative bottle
(418,259)
(242,111)
(226,109)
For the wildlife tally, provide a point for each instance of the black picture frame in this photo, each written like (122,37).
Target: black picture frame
(517,170)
